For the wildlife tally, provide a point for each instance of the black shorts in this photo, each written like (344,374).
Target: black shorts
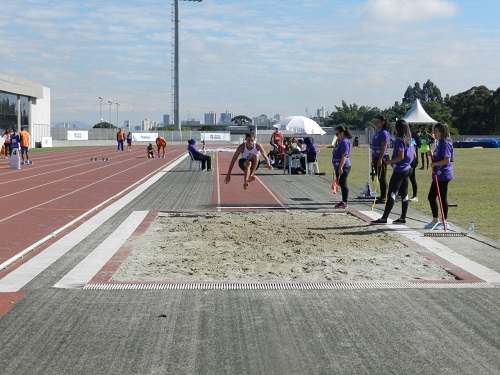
(242,161)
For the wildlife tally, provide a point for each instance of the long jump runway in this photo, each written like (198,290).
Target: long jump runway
(226,197)
(264,331)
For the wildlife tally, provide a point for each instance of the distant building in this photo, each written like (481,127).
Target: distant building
(126,125)
(166,120)
(225,118)
(210,118)
(25,103)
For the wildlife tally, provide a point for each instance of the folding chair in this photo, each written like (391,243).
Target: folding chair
(194,161)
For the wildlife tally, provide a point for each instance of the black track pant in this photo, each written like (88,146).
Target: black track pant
(397,185)
(343,183)
(432,197)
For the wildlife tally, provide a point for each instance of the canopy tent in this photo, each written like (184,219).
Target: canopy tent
(417,115)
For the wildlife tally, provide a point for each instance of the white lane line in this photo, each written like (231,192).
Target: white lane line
(443,251)
(79,276)
(21,276)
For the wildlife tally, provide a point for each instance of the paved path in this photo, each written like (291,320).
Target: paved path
(53,324)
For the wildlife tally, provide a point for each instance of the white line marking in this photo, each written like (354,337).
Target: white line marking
(21,276)
(443,251)
(79,276)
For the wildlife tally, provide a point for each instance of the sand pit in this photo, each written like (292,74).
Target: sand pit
(270,247)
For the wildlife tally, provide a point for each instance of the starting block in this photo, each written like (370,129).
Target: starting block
(93,159)
(105,159)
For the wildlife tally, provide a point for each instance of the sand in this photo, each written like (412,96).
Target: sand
(270,247)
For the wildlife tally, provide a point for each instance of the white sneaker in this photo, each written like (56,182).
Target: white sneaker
(430,225)
(441,226)
(413,199)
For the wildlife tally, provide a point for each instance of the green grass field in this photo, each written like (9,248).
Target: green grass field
(474,189)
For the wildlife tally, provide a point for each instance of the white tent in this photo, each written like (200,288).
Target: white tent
(417,115)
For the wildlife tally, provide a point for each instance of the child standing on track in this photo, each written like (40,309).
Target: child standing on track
(248,153)
(402,157)
(341,162)
(129,141)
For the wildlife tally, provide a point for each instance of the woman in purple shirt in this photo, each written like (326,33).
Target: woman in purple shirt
(341,162)
(402,157)
(380,152)
(442,167)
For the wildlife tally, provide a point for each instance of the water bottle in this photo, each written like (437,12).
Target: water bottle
(471,227)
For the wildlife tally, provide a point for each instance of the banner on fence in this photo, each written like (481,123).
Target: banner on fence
(78,135)
(144,137)
(216,137)
(46,142)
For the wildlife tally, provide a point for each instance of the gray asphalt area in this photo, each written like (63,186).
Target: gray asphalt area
(67,323)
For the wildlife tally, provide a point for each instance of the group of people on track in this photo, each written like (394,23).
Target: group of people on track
(12,142)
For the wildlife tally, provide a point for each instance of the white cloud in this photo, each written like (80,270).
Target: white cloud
(403,11)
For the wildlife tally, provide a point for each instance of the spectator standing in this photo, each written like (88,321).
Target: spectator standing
(380,152)
(402,156)
(129,141)
(414,164)
(120,137)
(25,144)
(7,143)
(424,148)
(341,162)
(442,167)
(206,160)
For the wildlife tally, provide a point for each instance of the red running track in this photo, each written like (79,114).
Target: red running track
(65,186)
(61,186)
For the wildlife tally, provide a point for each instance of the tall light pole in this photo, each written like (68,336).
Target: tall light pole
(177,122)
(110,102)
(117,105)
(100,109)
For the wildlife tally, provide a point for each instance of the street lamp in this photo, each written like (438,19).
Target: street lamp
(100,109)
(177,123)
(117,105)
(110,102)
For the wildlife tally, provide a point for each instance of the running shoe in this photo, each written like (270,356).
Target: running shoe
(342,205)
(380,201)
(413,199)
(429,225)
(441,226)
(399,221)
(379,221)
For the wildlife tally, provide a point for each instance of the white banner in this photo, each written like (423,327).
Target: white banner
(144,137)
(216,137)
(46,142)
(78,135)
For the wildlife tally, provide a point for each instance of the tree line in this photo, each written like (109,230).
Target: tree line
(475,111)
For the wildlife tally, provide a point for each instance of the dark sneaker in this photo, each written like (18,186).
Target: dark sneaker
(399,221)
(342,205)
(380,201)
(379,221)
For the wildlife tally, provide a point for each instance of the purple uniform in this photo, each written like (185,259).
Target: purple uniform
(343,147)
(409,153)
(380,137)
(444,150)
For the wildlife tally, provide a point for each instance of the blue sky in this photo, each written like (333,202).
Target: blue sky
(245,57)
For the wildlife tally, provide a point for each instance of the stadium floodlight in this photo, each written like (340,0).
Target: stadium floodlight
(177,123)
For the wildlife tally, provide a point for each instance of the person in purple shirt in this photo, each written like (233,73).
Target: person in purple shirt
(341,162)
(206,161)
(402,157)
(442,167)
(380,152)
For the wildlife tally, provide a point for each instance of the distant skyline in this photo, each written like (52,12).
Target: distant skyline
(246,57)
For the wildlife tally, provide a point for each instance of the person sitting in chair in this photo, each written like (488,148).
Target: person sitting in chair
(206,161)
(311,151)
